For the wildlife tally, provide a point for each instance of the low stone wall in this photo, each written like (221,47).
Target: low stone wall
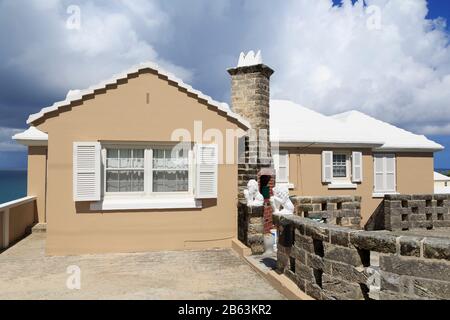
(336,263)
(251,227)
(340,210)
(405,212)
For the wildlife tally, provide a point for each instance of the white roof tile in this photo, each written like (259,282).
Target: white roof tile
(74,95)
(394,138)
(440,177)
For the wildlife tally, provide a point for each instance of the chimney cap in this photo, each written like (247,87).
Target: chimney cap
(250,59)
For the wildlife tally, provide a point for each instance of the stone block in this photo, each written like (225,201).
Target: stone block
(416,267)
(437,248)
(442,224)
(410,246)
(317,231)
(374,241)
(431,289)
(304,272)
(398,197)
(299,254)
(349,273)
(340,236)
(440,197)
(314,261)
(341,254)
(351,205)
(313,290)
(391,282)
(390,296)
(422,197)
(392,204)
(341,289)
(304,242)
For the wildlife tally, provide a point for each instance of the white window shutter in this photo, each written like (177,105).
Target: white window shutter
(391,180)
(327,166)
(357,167)
(86,171)
(281,165)
(207,161)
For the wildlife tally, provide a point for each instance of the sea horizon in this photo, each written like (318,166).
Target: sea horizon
(13,184)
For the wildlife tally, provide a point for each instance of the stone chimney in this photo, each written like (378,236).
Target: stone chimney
(250,98)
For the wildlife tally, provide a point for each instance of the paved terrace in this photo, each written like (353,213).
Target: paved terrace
(26,273)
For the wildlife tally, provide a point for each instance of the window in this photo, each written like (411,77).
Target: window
(124,170)
(281,163)
(339,166)
(385,173)
(147,170)
(446,184)
(170,170)
(342,170)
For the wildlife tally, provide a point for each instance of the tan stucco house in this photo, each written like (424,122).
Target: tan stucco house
(111,175)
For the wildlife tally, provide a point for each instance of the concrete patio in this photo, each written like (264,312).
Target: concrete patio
(26,273)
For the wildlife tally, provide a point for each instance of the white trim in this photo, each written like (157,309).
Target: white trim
(336,185)
(143,203)
(16,203)
(5,218)
(78,95)
(382,194)
(31,137)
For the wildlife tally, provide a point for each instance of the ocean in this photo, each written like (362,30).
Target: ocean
(13,185)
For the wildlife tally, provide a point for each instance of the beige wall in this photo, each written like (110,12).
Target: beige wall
(37,178)
(122,114)
(1,230)
(21,219)
(414,176)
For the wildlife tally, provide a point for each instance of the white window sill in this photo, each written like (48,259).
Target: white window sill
(336,185)
(382,194)
(147,204)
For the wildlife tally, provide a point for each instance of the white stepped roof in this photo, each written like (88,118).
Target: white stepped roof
(440,177)
(292,123)
(76,95)
(394,138)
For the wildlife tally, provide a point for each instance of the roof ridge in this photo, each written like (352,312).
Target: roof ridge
(79,94)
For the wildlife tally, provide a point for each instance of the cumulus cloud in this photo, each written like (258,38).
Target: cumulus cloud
(6,143)
(48,57)
(334,58)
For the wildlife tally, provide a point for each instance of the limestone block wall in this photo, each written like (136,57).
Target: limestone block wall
(340,210)
(405,212)
(337,263)
(251,227)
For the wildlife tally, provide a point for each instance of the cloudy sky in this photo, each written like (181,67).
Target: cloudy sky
(387,58)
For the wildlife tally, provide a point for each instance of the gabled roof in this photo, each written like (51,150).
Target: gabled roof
(440,177)
(394,138)
(292,123)
(76,95)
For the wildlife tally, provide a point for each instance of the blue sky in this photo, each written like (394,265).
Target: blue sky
(326,58)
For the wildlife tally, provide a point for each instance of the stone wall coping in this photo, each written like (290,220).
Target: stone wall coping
(385,242)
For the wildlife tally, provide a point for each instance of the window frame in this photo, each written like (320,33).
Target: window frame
(148,171)
(348,166)
(384,156)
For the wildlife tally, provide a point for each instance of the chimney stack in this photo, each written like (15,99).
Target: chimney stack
(250,98)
